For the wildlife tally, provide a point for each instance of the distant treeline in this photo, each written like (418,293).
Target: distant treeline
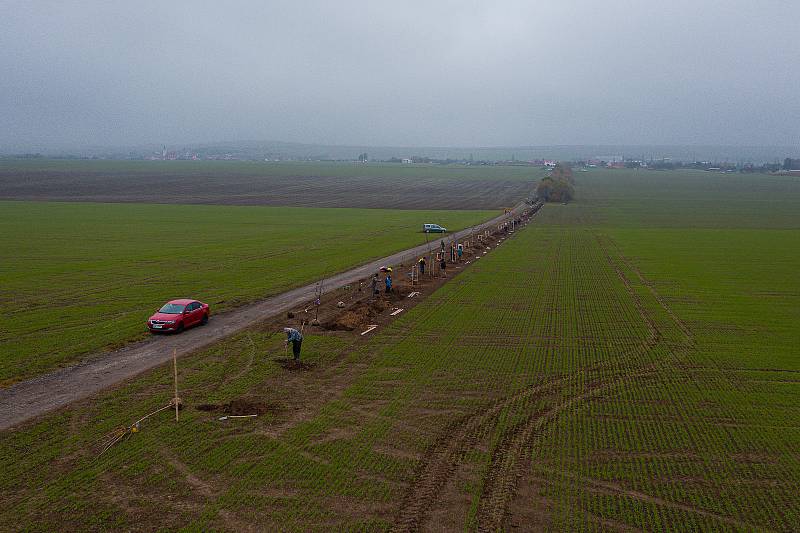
(788,164)
(21,156)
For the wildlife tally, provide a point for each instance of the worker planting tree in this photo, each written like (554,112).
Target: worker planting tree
(374,285)
(388,281)
(296,338)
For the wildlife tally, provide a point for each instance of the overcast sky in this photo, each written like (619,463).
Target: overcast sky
(415,73)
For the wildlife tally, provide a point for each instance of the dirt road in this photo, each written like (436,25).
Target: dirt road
(29,399)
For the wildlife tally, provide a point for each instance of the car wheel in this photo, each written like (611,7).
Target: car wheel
(179,329)
(204,321)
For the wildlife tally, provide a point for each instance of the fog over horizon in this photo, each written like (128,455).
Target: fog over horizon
(509,73)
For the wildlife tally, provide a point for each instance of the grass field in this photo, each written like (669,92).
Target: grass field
(372,185)
(624,362)
(689,200)
(78,278)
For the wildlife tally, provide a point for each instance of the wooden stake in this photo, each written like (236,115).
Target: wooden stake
(175,372)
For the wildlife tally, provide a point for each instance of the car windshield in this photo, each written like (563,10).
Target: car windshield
(172,309)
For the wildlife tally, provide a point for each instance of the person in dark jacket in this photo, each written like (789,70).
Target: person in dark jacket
(374,284)
(296,338)
(388,282)
(421,265)
(443,266)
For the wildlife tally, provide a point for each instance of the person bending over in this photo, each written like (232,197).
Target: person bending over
(296,338)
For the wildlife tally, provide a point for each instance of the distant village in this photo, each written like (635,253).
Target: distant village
(606,161)
(787,166)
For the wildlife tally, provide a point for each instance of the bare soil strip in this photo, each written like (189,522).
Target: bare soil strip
(418,188)
(29,399)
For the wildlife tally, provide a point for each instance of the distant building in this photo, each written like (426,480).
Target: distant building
(406,161)
(609,158)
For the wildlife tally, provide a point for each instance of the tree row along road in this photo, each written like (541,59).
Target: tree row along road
(29,399)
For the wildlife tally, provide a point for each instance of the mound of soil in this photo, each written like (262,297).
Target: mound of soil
(357,316)
(295,366)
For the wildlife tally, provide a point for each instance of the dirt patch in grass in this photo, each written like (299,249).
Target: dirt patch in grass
(530,509)
(296,366)
(357,316)
(243,406)
(240,406)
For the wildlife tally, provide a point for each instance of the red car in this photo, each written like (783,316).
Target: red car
(177,315)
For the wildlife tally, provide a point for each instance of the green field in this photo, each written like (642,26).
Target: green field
(77,278)
(626,362)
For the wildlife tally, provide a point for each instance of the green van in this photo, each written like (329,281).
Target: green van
(433,228)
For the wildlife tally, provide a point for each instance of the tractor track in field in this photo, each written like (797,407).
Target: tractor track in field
(507,463)
(444,457)
(598,485)
(31,398)
(684,329)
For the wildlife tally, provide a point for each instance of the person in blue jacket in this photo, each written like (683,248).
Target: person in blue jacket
(296,338)
(388,282)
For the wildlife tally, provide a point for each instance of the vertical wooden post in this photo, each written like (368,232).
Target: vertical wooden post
(175,373)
